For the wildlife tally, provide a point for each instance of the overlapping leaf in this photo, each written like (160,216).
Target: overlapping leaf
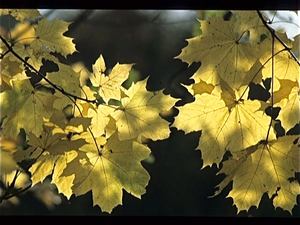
(225,123)
(67,79)
(52,152)
(139,114)
(264,167)
(287,98)
(220,52)
(23,104)
(250,21)
(109,86)
(50,37)
(230,121)
(107,169)
(285,67)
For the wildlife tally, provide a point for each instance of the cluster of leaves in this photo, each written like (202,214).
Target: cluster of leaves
(234,55)
(99,146)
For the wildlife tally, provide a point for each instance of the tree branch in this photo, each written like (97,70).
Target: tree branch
(273,33)
(10,49)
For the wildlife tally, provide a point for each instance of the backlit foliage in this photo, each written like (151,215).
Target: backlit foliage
(98,144)
(260,161)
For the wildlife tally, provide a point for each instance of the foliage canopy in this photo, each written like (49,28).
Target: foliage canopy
(99,146)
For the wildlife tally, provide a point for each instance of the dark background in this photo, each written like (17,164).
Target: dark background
(178,186)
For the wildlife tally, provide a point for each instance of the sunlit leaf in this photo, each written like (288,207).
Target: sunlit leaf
(226,125)
(23,104)
(220,52)
(264,167)
(117,167)
(109,86)
(139,114)
(50,36)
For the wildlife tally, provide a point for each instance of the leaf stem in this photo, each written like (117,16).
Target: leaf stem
(272,87)
(89,129)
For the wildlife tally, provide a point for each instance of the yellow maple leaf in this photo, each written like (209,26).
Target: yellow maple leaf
(139,114)
(226,123)
(100,119)
(109,86)
(52,152)
(67,79)
(264,167)
(117,167)
(23,104)
(23,33)
(250,21)
(220,52)
(49,36)
(285,67)
(287,98)
(59,123)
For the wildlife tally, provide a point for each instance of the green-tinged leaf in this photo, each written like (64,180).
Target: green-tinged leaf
(117,167)
(50,37)
(264,168)
(140,113)
(23,104)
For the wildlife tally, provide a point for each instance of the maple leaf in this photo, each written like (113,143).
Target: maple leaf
(34,58)
(23,33)
(250,21)
(264,167)
(52,152)
(23,104)
(285,67)
(287,98)
(139,114)
(117,167)
(220,52)
(60,124)
(21,14)
(226,123)
(9,70)
(100,119)
(27,52)
(67,79)
(109,86)
(49,35)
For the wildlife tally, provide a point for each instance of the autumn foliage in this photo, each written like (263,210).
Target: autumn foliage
(99,144)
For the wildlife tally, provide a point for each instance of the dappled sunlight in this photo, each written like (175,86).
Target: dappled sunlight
(231,120)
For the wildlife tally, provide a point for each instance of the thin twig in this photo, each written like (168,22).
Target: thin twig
(262,66)
(273,33)
(43,76)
